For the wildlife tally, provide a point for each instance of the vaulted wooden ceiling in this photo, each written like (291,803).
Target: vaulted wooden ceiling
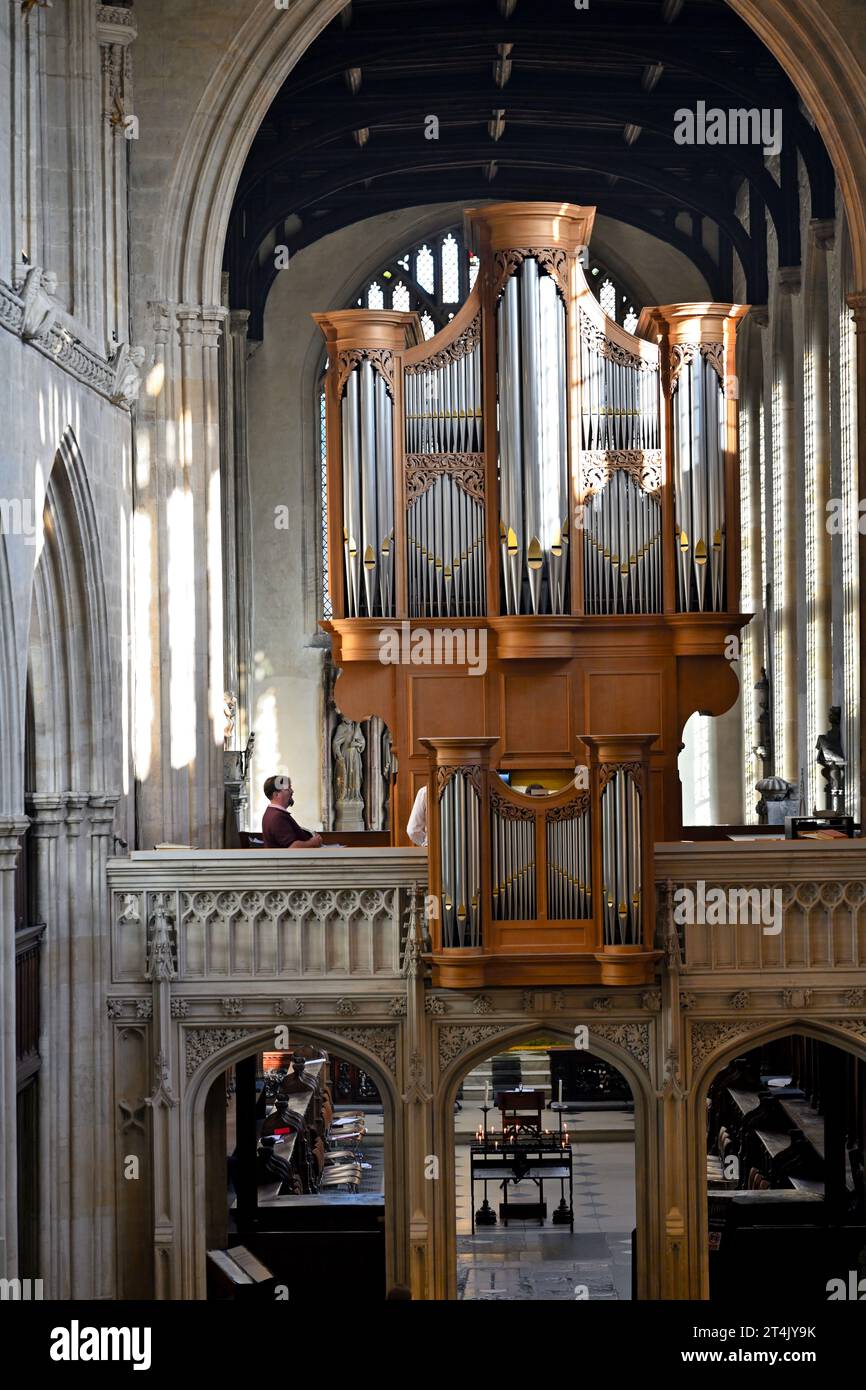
(534,99)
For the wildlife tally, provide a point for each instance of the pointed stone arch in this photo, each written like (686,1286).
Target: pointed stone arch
(626,1046)
(803,38)
(721,1047)
(69,649)
(239,1043)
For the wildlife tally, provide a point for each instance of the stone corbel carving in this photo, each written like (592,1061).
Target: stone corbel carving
(40,307)
(127,363)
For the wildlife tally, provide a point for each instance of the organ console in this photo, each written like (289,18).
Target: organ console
(566,493)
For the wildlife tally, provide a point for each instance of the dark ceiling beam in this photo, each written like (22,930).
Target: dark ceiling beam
(553,104)
(254,296)
(685,195)
(721,58)
(647,167)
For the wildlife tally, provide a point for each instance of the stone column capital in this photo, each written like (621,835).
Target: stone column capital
(47,814)
(76,805)
(11,830)
(115,24)
(202,323)
(857,303)
(789,279)
(822,231)
(238,322)
(102,810)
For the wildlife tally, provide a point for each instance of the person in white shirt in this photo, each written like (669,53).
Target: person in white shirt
(416,828)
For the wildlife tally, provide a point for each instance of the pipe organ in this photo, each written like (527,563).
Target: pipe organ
(559,497)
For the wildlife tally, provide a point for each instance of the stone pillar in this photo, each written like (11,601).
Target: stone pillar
(101,828)
(677,1202)
(178,584)
(161,970)
(237,523)
(418,1114)
(48,815)
(11,829)
(115,28)
(857,301)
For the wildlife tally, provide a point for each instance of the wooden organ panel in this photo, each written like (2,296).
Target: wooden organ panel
(534,541)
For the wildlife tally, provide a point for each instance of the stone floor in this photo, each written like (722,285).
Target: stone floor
(526,1261)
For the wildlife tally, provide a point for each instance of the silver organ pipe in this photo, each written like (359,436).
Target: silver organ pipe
(622,902)
(569,875)
(444,452)
(368,493)
(533,442)
(698,450)
(623,548)
(460,861)
(512,859)
(621,458)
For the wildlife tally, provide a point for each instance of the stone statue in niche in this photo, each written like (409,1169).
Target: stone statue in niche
(40,307)
(832,762)
(127,364)
(348,747)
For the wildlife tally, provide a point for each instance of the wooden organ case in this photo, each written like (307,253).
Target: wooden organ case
(534,562)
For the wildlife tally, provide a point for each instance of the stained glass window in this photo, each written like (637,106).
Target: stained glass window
(401,299)
(375,297)
(450,271)
(607,298)
(425,269)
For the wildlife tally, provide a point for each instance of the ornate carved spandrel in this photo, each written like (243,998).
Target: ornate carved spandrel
(553,260)
(380,359)
(644,466)
(422,470)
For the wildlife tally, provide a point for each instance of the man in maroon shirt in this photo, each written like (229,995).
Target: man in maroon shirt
(280,830)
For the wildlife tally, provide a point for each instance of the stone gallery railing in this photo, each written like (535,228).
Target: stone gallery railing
(259,915)
(766,905)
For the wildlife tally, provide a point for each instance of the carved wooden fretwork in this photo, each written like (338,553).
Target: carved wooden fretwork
(507,809)
(572,809)
(599,343)
(467,341)
(608,771)
(552,260)
(422,470)
(472,773)
(381,360)
(643,465)
(684,353)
